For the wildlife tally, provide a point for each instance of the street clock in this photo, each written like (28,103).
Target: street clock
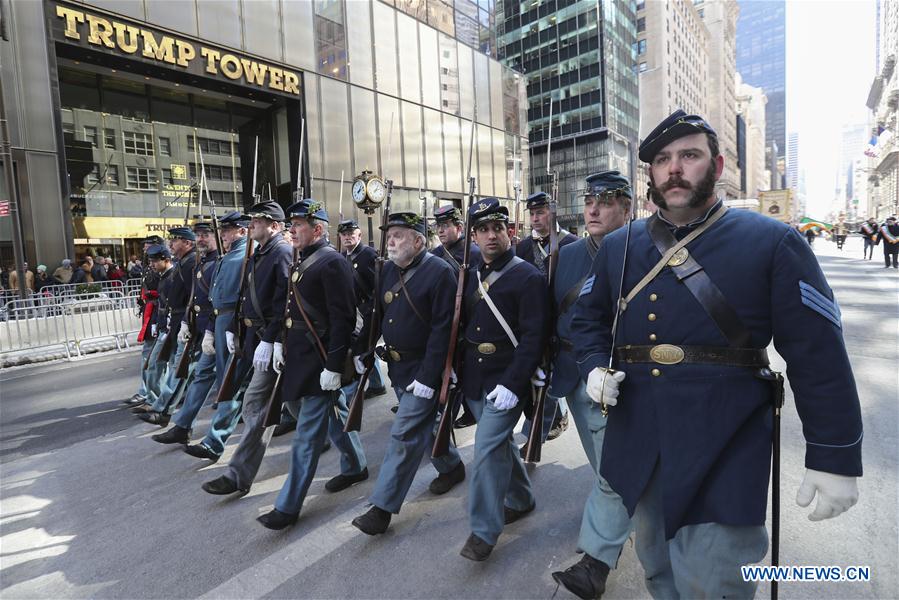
(369,191)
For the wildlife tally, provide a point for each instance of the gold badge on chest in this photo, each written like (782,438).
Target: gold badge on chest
(679,258)
(388,297)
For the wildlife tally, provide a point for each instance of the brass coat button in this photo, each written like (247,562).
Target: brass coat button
(652,337)
(655,372)
(651,317)
(653,297)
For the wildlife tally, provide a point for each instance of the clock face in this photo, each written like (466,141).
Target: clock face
(376,190)
(358,191)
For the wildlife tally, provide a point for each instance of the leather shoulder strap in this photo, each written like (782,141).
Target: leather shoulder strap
(690,273)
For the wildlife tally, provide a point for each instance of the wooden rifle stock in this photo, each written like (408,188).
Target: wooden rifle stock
(354,414)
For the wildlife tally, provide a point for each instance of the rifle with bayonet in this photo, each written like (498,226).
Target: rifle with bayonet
(445,426)
(516,185)
(275,401)
(229,387)
(535,439)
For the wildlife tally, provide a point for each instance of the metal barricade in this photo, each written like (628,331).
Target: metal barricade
(43,322)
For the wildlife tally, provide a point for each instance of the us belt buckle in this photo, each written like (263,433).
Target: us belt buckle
(288,322)
(248,321)
(666,354)
(486,348)
(394,355)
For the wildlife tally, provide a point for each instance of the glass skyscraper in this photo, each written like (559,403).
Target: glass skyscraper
(578,55)
(761,61)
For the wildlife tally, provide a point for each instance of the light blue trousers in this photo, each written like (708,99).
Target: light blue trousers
(700,561)
(605,525)
(498,476)
(411,435)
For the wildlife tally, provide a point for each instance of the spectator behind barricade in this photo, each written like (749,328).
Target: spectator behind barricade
(131,260)
(116,272)
(136,270)
(42,280)
(63,273)
(14,279)
(98,269)
(83,273)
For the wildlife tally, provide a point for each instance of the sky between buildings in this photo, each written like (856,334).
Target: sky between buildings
(830,65)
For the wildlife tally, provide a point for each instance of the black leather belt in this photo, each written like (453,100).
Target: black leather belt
(391,354)
(253,322)
(668,354)
(487,348)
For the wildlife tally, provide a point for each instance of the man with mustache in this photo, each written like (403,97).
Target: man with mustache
(417,293)
(605,525)
(688,442)
(505,334)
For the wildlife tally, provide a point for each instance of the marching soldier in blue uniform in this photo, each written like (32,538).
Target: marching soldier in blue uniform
(505,333)
(262,313)
(319,327)
(689,437)
(605,525)
(535,249)
(416,289)
(362,259)
(203,375)
(181,240)
(149,304)
(449,225)
(223,297)
(160,261)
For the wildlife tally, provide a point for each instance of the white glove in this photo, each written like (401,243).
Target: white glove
(262,358)
(183,333)
(609,394)
(503,398)
(278,357)
(420,390)
(836,493)
(357,364)
(538,379)
(154,329)
(208,344)
(329,381)
(229,341)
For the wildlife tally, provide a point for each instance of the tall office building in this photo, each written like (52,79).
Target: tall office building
(578,58)
(672,61)
(761,61)
(754,175)
(852,180)
(883,100)
(720,17)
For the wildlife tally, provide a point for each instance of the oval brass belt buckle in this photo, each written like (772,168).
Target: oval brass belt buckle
(288,322)
(486,348)
(666,354)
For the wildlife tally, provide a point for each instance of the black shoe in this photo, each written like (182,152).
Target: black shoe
(175,435)
(155,418)
(277,520)
(510,515)
(373,522)
(466,420)
(585,579)
(342,482)
(375,392)
(446,481)
(558,428)
(223,486)
(142,408)
(135,400)
(476,549)
(202,451)
(282,428)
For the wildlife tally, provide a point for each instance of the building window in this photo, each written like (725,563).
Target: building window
(165,147)
(215,172)
(641,24)
(93,177)
(90,135)
(112,175)
(109,138)
(641,4)
(211,147)
(138,178)
(641,47)
(138,143)
(167,177)
(642,67)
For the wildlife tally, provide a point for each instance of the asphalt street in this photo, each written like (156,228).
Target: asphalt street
(90,507)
